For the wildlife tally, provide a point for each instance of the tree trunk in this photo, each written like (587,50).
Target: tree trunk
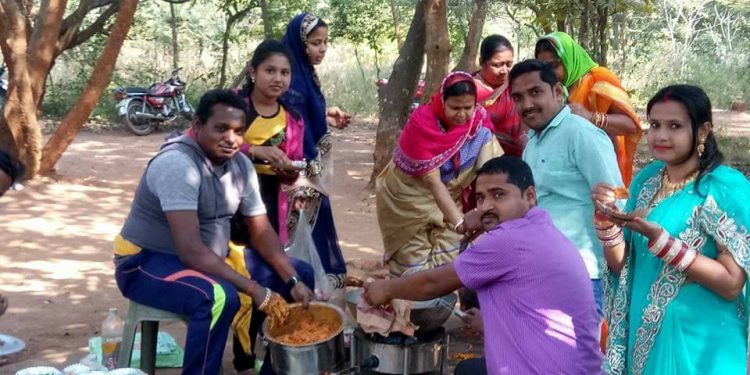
(594,51)
(175,45)
(377,66)
(267,29)
(437,46)
(602,35)
(21,136)
(240,77)
(225,51)
(583,31)
(396,97)
(620,42)
(233,19)
(42,45)
(102,74)
(359,65)
(561,22)
(396,24)
(468,61)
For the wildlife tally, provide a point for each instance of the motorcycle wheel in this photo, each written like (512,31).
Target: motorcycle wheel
(138,127)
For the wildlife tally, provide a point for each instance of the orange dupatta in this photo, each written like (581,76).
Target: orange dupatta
(599,90)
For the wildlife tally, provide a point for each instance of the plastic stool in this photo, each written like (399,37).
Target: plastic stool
(149,319)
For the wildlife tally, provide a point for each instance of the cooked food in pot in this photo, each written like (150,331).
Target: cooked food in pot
(306,326)
(277,311)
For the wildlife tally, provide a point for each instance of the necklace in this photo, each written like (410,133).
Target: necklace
(668,188)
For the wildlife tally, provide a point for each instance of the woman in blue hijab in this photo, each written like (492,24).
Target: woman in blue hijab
(307,40)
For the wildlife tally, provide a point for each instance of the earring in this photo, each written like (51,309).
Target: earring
(701,147)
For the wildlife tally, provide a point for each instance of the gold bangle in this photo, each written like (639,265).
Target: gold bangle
(605,122)
(596,119)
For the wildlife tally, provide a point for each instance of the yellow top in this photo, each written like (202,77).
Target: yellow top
(263,130)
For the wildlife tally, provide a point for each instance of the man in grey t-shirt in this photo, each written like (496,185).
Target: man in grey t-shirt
(171,252)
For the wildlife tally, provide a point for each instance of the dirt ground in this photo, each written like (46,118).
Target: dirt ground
(55,262)
(55,257)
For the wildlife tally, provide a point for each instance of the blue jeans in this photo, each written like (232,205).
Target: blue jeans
(598,287)
(161,281)
(262,273)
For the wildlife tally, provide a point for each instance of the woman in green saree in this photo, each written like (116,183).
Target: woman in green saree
(678,259)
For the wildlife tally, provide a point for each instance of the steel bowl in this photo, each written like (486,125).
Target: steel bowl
(426,315)
(325,355)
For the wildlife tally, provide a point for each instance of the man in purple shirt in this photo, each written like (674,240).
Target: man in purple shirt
(537,303)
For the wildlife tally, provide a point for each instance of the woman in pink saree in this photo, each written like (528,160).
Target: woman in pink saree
(424,191)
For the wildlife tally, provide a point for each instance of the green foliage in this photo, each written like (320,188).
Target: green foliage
(459,16)
(688,41)
(281,12)
(367,22)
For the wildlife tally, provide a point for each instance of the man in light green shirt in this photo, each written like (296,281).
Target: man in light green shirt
(568,155)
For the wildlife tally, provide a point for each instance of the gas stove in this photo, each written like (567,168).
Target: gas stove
(424,353)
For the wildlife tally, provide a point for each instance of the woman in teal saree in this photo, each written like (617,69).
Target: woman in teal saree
(679,256)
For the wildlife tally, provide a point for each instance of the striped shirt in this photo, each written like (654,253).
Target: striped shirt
(538,308)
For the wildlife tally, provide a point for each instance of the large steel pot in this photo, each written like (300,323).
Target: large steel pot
(325,355)
(426,315)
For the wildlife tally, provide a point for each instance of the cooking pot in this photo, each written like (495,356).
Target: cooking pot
(325,355)
(426,315)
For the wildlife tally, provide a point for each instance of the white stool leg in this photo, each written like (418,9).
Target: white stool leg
(128,336)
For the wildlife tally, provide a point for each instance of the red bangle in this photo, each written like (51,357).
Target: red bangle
(664,250)
(683,250)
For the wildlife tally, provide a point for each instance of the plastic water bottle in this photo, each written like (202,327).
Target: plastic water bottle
(111,339)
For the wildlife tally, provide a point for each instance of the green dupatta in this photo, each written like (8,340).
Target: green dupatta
(575,59)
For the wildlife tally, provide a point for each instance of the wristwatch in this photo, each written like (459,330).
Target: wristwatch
(292,282)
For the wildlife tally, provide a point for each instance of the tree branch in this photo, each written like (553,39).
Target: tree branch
(27,10)
(95,28)
(41,51)
(73,22)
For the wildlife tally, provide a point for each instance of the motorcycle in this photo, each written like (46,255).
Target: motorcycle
(142,110)
(3,86)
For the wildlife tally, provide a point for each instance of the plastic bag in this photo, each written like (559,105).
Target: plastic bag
(303,248)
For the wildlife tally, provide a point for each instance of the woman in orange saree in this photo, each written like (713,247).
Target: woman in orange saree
(595,93)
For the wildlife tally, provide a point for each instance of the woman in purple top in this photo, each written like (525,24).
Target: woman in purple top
(538,308)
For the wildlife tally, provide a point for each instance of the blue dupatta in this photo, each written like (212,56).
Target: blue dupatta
(304,94)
